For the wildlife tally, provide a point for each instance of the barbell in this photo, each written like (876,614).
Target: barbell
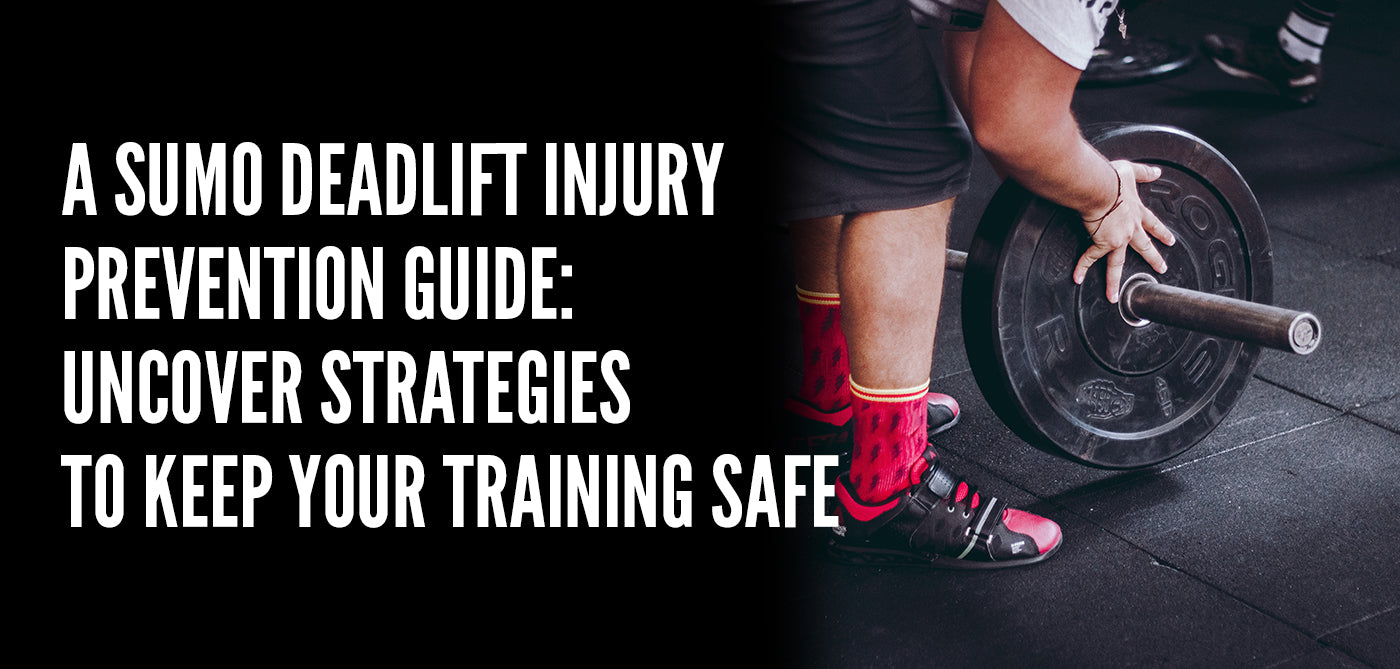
(1135,383)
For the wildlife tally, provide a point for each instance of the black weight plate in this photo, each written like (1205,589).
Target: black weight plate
(1057,361)
(1137,60)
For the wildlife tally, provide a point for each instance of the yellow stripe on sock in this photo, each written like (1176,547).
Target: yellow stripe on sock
(813,297)
(882,395)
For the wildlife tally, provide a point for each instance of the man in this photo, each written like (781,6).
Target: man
(875,153)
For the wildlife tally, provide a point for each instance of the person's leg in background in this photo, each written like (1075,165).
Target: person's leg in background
(1289,57)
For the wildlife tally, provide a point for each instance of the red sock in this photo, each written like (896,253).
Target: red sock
(825,369)
(891,434)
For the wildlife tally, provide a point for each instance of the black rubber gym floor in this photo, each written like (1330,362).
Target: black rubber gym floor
(1271,542)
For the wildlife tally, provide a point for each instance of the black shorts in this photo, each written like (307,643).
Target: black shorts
(862,121)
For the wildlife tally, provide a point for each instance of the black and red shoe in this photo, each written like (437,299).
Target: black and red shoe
(941,523)
(829,433)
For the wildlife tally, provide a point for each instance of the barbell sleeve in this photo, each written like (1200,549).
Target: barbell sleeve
(1145,299)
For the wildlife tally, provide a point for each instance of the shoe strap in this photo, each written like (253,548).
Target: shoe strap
(938,486)
(957,530)
(937,480)
(982,529)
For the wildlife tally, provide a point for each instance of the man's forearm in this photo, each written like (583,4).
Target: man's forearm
(1056,163)
(1019,99)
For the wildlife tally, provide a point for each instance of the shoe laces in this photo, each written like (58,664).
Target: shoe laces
(964,494)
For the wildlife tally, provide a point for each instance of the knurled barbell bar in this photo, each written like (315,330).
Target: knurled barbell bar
(1143,301)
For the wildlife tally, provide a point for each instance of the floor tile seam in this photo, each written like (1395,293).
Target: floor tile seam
(1380,401)
(1160,561)
(1355,412)
(1321,646)
(1372,421)
(1378,254)
(1342,411)
(1358,621)
(1163,562)
(1134,477)
(1130,477)
(1352,412)
(1251,442)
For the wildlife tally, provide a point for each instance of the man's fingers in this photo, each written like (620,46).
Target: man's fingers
(1143,172)
(1115,272)
(1155,227)
(1144,246)
(1085,261)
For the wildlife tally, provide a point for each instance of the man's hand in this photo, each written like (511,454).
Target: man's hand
(1128,225)
(1016,96)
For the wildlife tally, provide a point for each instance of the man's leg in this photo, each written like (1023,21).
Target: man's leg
(868,127)
(891,277)
(814,249)
(823,400)
(825,385)
(898,502)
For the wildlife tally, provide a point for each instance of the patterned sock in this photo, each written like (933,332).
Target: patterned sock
(1305,30)
(825,369)
(891,434)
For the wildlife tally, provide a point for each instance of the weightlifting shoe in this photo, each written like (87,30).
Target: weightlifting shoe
(1261,58)
(829,433)
(942,523)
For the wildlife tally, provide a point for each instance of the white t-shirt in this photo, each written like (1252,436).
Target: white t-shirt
(1070,29)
